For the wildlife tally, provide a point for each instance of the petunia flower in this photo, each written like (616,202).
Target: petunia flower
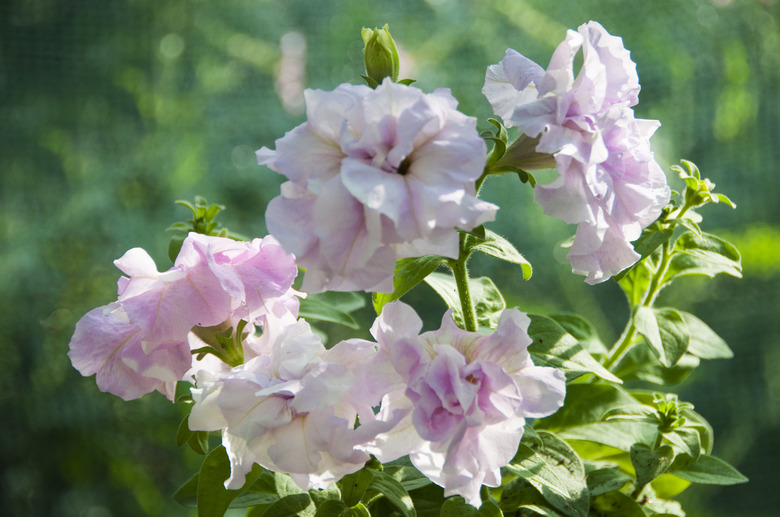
(290,410)
(142,342)
(609,183)
(374,176)
(458,399)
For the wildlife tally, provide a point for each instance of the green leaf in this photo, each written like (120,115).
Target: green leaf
(556,472)
(183,434)
(458,507)
(293,504)
(394,492)
(582,330)
(606,480)
(705,343)
(174,246)
(199,442)
(618,434)
(332,307)
(616,504)
(686,440)
(331,509)
(650,463)
(709,470)
(650,240)
(405,473)
(703,255)
(353,486)
(487,299)
(665,331)
(555,347)
(427,500)
(500,248)
(408,273)
(640,363)
(635,282)
(212,497)
(517,494)
(585,404)
(668,485)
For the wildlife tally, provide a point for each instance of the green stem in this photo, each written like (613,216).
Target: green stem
(626,339)
(461,273)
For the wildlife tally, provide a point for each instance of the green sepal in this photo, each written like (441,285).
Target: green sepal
(477,232)
(408,273)
(664,329)
(498,247)
(556,471)
(487,299)
(553,346)
(406,82)
(332,307)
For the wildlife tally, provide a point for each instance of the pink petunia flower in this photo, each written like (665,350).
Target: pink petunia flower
(609,183)
(142,342)
(458,399)
(375,176)
(291,410)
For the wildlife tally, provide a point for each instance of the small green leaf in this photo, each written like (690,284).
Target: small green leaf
(606,480)
(183,434)
(518,494)
(199,442)
(331,509)
(650,463)
(709,470)
(458,507)
(650,240)
(555,347)
(705,343)
(353,486)
(686,440)
(314,310)
(582,330)
(640,363)
(556,472)
(703,255)
(487,299)
(293,504)
(394,492)
(635,282)
(212,497)
(616,504)
(408,273)
(665,331)
(497,246)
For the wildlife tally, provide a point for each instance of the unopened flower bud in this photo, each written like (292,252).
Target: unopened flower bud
(381,55)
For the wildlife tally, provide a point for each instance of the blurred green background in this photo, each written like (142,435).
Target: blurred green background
(113,109)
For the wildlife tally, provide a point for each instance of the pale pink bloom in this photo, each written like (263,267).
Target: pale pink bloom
(291,410)
(142,342)
(375,176)
(459,399)
(609,183)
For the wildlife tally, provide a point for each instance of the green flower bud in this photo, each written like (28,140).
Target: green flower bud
(381,56)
